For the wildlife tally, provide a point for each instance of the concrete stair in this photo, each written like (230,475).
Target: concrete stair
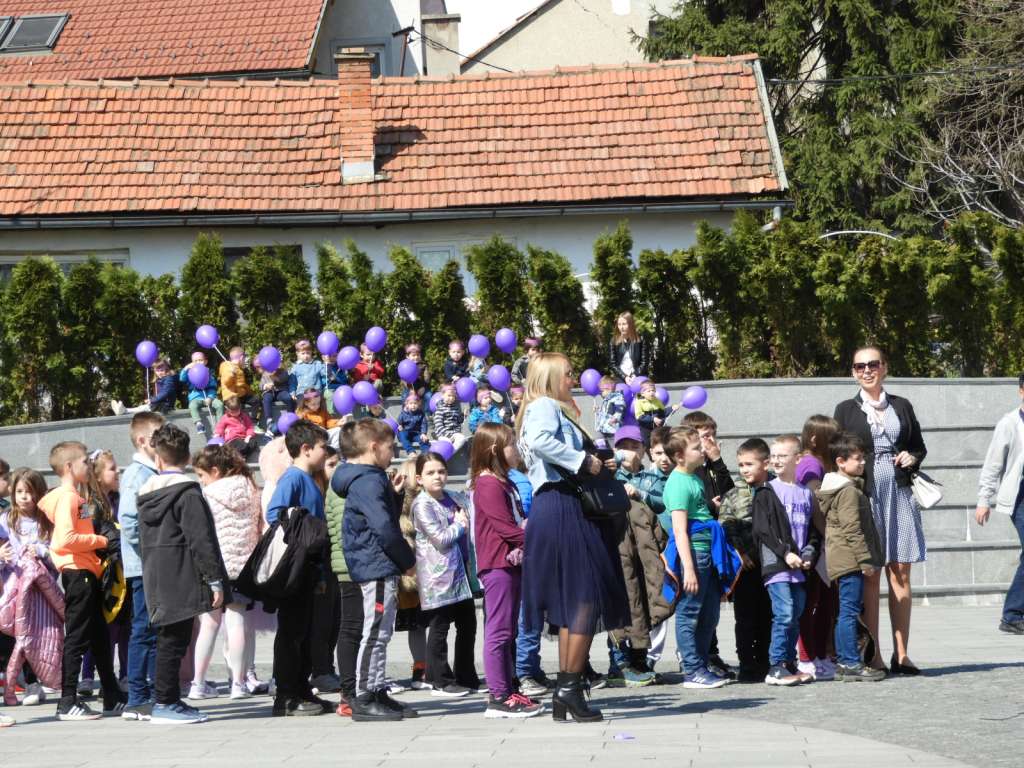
(966,563)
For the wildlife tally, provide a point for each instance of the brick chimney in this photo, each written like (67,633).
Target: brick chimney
(356,118)
(441,44)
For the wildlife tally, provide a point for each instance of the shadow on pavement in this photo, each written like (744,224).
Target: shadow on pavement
(958,669)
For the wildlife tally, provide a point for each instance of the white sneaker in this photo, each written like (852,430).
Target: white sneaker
(808,668)
(240,691)
(205,690)
(118,407)
(33,695)
(825,669)
(394,688)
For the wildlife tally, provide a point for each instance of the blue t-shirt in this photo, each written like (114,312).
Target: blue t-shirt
(295,489)
(797,501)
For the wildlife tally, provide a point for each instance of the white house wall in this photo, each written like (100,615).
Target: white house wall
(157,251)
(370,23)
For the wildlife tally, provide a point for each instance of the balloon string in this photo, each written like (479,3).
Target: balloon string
(220,353)
(146,398)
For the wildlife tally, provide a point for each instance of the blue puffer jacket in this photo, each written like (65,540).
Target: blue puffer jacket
(371,538)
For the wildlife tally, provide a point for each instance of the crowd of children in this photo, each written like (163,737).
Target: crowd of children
(152,563)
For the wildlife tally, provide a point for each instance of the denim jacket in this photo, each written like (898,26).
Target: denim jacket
(548,439)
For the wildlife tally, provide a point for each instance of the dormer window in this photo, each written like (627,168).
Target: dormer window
(31,33)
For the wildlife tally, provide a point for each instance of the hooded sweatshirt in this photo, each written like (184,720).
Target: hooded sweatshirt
(851,539)
(74,542)
(372,539)
(180,555)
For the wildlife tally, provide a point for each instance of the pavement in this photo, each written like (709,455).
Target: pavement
(967,708)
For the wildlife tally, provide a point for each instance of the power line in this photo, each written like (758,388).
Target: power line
(895,75)
(457,53)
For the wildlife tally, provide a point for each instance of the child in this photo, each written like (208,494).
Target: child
(751,605)
(335,378)
(182,567)
(414,352)
(142,642)
(293,645)
(369,368)
(409,617)
(274,388)
(455,366)
(649,411)
(376,555)
(788,545)
(234,502)
(235,383)
(236,429)
(312,409)
(713,472)
(73,552)
(306,373)
(25,535)
(350,597)
(515,398)
(692,527)
(478,369)
(499,538)
(853,549)
(165,392)
(199,397)
(819,617)
(442,552)
(532,349)
(485,411)
(448,418)
(412,424)
(609,409)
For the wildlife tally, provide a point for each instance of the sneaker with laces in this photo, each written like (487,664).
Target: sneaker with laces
(142,712)
(117,407)
(635,678)
(858,673)
(33,695)
(407,713)
(240,691)
(200,428)
(824,670)
(450,692)
(516,706)
(807,669)
(419,682)
(703,679)
(203,690)
(394,688)
(114,708)
(255,686)
(780,675)
(178,713)
(344,709)
(595,679)
(76,709)
(534,685)
(6,721)
(804,677)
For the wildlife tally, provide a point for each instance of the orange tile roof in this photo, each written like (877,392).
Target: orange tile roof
(677,130)
(164,38)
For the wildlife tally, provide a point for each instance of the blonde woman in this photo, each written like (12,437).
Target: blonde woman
(629,354)
(572,575)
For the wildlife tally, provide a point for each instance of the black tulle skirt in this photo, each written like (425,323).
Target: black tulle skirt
(572,574)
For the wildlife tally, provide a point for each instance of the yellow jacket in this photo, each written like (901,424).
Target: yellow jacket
(232,381)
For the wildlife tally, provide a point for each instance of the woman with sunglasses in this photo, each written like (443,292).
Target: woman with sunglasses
(893,450)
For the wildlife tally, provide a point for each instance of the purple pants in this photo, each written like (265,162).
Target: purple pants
(501,619)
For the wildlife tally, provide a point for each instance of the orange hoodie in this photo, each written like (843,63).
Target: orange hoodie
(74,543)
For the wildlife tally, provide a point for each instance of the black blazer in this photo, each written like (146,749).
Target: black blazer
(852,419)
(639,353)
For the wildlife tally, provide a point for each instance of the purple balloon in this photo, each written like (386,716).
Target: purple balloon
(663,395)
(347,358)
(207,336)
(408,371)
(694,397)
(434,400)
(344,400)
(590,380)
(479,345)
(146,353)
(215,441)
(376,339)
(269,359)
(465,388)
(443,448)
(506,340)
(285,421)
(391,423)
(637,384)
(629,418)
(327,342)
(627,393)
(199,376)
(499,377)
(365,393)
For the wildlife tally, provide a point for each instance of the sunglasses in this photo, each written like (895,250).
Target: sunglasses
(870,365)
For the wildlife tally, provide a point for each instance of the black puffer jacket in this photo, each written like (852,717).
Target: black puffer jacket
(180,553)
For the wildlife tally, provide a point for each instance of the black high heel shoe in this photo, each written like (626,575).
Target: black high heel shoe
(902,669)
(569,699)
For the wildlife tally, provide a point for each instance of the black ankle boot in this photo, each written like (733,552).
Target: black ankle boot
(569,697)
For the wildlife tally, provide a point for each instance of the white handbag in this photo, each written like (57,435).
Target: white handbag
(928,492)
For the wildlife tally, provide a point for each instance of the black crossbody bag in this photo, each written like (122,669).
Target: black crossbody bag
(602,497)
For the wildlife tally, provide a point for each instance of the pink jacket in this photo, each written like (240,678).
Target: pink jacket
(234,427)
(32,611)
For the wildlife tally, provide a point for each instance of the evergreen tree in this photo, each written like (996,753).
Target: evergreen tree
(334,290)
(84,326)
(368,289)
(406,302)
(559,307)
(449,316)
(502,292)
(126,318)
(206,290)
(166,330)
(612,273)
(275,297)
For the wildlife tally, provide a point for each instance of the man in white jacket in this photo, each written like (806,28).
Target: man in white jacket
(1001,477)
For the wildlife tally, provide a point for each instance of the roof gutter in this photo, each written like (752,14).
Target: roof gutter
(9,223)
(769,120)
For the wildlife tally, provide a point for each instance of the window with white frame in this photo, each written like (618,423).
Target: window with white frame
(65,259)
(434,254)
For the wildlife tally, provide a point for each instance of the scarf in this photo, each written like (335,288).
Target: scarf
(875,412)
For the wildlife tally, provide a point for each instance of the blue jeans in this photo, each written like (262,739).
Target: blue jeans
(411,442)
(527,651)
(788,601)
(1013,608)
(282,396)
(851,602)
(697,615)
(141,648)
